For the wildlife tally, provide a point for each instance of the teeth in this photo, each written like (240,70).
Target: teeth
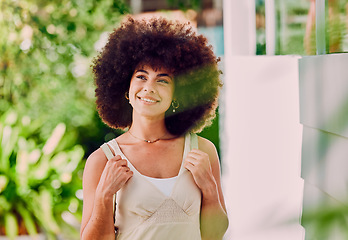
(148,100)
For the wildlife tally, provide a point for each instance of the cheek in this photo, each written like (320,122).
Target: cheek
(171,91)
(132,92)
(169,96)
(133,87)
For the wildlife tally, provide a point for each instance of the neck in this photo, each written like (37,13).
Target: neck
(149,129)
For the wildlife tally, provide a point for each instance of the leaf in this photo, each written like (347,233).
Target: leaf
(76,155)
(8,141)
(3,182)
(41,205)
(34,156)
(42,169)
(28,219)
(11,225)
(54,139)
(11,117)
(4,205)
(47,211)
(60,161)
(22,168)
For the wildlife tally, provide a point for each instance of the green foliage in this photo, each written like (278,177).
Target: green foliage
(46,49)
(46,106)
(327,221)
(39,178)
(185,4)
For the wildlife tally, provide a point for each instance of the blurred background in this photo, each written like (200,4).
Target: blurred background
(48,121)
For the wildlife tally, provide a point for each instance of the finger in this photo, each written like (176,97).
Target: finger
(130,174)
(198,164)
(125,176)
(115,158)
(189,166)
(197,154)
(193,155)
(121,163)
(124,173)
(192,160)
(195,150)
(124,169)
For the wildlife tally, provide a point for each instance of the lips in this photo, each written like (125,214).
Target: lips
(148,99)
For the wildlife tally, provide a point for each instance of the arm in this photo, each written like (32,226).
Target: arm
(101,180)
(205,168)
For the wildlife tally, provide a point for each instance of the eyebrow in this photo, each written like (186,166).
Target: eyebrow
(158,75)
(142,71)
(163,75)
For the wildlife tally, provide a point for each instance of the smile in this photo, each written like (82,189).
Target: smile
(148,100)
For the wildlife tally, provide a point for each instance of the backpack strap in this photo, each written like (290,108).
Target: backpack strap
(106,149)
(194,141)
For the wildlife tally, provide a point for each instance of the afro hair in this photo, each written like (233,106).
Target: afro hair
(165,44)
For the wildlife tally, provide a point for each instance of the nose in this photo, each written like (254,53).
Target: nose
(149,87)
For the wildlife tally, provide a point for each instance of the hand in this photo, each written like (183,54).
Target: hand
(115,175)
(198,163)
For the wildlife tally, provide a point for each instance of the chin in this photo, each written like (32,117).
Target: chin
(151,114)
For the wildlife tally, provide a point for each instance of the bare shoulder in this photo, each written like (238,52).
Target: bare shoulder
(97,158)
(206,145)
(95,164)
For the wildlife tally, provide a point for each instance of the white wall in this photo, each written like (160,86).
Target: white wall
(261,153)
(324,114)
(239,27)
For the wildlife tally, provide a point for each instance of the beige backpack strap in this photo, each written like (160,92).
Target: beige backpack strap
(107,151)
(194,141)
(109,155)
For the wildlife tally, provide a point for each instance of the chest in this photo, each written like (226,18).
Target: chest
(158,160)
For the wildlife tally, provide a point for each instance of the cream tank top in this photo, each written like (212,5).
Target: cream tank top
(143,212)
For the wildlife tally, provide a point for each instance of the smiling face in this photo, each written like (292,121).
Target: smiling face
(151,91)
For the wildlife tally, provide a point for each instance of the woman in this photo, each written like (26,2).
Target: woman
(160,80)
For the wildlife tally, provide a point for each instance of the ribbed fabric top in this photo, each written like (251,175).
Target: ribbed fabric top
(144,212)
